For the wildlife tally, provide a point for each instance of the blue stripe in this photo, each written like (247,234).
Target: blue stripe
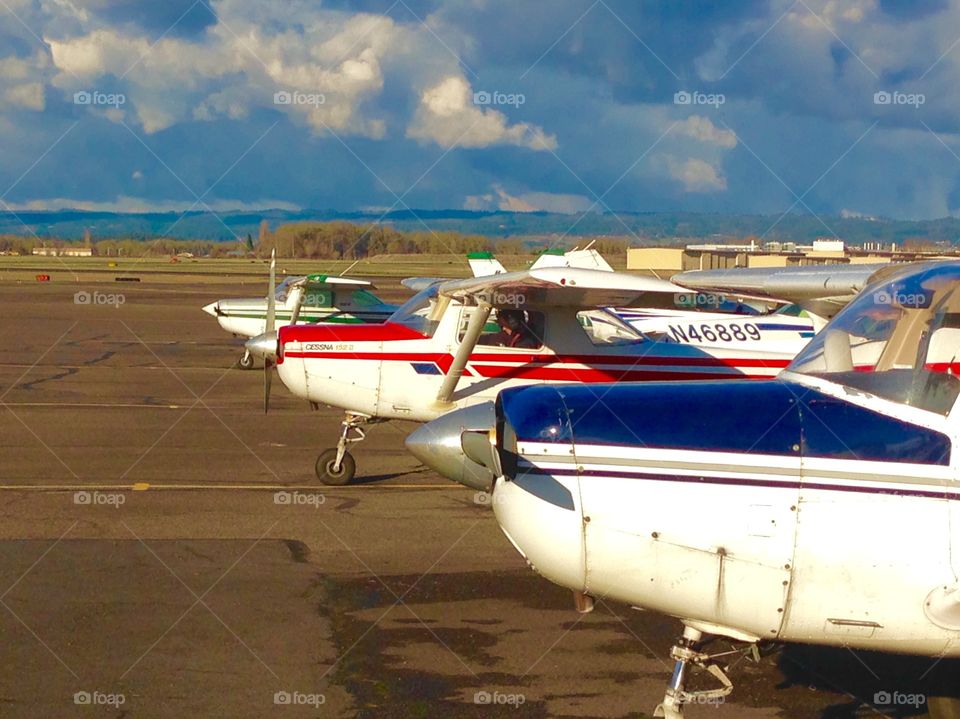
(425,368)
(772,417)
(793,484)
(785,328)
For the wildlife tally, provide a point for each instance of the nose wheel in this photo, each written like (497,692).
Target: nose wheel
(246,362)
(685,652)
(336,466)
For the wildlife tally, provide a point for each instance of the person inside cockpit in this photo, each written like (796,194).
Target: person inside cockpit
(514,331)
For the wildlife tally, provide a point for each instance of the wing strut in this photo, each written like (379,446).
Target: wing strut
(474,329)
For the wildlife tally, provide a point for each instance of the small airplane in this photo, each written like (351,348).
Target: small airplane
(460,342)
(704,318)
(316,298)
(819,507)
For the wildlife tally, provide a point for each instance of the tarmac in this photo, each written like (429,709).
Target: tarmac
(167,551)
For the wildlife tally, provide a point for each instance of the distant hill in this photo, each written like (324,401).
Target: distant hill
(650,228)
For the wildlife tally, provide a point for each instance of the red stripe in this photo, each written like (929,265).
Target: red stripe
(387,331)
(951,367)
(514,360)
(591,375)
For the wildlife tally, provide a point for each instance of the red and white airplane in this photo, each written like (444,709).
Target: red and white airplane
(458,343)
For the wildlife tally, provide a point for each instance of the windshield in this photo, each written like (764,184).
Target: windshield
(709,302)
(284,287)
(605,328)
(898,339)
(421,313)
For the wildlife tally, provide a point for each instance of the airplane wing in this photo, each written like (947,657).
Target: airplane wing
(564,287)
(820,289)
(484,264)
(418,284)
(318,280)
(586,259)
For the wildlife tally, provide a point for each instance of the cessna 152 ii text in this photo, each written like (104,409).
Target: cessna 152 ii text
(820,507)
(440,350)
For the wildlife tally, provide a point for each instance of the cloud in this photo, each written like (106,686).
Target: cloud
(29,96)
(21,81)
(702,129)
(696,175)
(448,116)
(328,66)
(500,199)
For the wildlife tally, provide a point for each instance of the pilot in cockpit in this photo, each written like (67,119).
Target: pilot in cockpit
(514,331)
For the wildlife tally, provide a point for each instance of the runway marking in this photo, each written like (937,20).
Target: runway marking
(144,486)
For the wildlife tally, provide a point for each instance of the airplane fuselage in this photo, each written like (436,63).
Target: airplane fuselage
(784,510)
(394,372)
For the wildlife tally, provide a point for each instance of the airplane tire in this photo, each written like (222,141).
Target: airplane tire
(246,362)
(325,473)
(941,707)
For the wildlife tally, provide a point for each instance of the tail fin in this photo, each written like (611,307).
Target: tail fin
(586,259)
(484,264)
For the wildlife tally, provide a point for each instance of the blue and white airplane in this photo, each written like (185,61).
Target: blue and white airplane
(820,507)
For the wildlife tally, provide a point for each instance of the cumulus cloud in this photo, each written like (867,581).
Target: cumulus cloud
(696,175)
(448,116)
(21,81)
(500,199)
(702,129)
(319,72)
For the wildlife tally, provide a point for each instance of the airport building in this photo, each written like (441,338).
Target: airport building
(770,254)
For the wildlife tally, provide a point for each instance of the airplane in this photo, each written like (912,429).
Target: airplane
(443,350)
(315,298)
(705,318)
(819,507)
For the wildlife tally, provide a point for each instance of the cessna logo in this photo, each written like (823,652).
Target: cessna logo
(326,347)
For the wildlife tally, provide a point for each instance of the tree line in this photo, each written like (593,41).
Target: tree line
(338,240)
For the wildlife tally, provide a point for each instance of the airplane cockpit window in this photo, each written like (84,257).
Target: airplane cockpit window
(604,328)
(284,288)
(520,329)
(363,298)
(791,311)
(709,302)
(421,313)
(899,340)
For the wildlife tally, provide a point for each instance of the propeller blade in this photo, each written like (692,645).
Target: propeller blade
(267,379)
(272,294)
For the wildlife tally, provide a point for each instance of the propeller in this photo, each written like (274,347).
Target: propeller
(270,328)
(266,344)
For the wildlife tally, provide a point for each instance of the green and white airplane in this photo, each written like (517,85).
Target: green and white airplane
(313,299)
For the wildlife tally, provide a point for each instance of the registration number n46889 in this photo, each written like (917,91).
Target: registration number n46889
(716,332)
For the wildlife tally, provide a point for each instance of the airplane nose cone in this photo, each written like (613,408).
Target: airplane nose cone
(263,346)
(213,309)
(440,445)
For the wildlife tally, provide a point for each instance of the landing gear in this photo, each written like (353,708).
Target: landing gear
(336,465)
(246,362)
(686,650)
(327,469)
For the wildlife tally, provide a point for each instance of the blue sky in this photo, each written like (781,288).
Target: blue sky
(824,106)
